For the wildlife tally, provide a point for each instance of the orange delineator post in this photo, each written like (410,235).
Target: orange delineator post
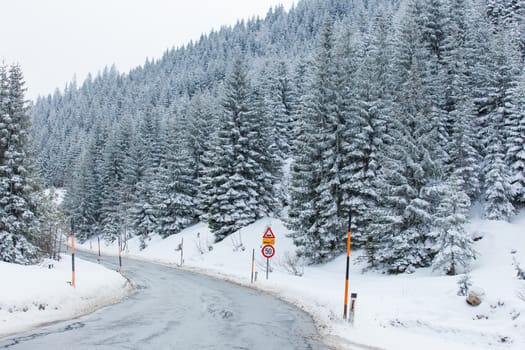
(73,260)
(347,264)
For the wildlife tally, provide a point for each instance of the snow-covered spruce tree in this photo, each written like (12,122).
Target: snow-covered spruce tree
(82,192)
(202,124)
(178,190)
(400,223)
(498,189)
(234,200)
(112,218)
(498,192)
(454,246)
(368,103)
(18,221)
(515,130)
(279,104)
(316,213)
(270,159)
(457,107)
(145,210)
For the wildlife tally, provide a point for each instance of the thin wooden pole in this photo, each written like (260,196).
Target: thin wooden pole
(253,262)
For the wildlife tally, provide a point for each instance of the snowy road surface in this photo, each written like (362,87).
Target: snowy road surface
(172,309)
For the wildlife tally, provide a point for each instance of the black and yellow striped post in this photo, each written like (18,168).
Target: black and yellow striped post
(349,235)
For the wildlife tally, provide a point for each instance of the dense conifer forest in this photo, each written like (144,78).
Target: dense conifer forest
(408,113)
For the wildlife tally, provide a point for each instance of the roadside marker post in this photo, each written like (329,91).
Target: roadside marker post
(349,235)
(353,297)
(253,262)
(98,241)
(119,254)
(73,255)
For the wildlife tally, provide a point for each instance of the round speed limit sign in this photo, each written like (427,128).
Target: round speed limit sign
(268,251)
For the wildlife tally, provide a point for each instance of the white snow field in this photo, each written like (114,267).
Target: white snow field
(35,295)
(409,311)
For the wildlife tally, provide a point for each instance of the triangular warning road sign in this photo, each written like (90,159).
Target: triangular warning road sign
(268,233)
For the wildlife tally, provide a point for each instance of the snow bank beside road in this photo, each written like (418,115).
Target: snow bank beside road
(409,311)
(33,295)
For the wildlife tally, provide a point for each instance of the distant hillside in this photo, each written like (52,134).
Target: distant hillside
(399,114)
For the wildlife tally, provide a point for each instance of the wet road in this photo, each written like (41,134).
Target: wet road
(173,309)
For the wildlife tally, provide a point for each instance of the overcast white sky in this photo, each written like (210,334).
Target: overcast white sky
(55,40)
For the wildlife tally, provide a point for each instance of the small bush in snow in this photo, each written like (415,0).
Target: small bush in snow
(293,263)
(237,243)
(202,247)
(521,295)
(464,284)
(520,272)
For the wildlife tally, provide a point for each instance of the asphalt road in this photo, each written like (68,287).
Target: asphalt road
(173,309)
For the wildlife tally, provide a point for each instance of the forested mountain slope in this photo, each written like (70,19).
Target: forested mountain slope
(404,112)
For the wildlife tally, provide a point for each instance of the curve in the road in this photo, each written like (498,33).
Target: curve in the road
(173,309)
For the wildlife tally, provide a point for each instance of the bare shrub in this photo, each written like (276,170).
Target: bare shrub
(521,294)
(237,242)
(520,272)
(293,263)
(205,246)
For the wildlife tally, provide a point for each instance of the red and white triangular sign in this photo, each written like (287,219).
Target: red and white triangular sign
(268,233)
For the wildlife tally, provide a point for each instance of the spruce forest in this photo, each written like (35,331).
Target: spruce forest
(408,114)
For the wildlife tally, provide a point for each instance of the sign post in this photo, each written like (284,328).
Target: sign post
(268,251)
(268,241)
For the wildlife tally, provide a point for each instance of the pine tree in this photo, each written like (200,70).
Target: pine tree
(515,129)
(145,210)
(498,192)
(279,103)
(80,202)
(202,125)
(398,232)
(262,133)
(454,245)
(18,221)
(368,104)
(234,198)
(316,212)
(178,189)
(112,216)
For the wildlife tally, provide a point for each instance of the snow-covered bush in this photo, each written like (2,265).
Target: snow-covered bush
(521,294)
(464,284)
(520,272)
(293,263)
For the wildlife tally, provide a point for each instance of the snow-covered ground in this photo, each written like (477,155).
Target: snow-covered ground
(420,310)
(36,295)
